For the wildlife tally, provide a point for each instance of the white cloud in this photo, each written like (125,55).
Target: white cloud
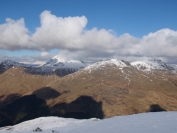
(58,32)
(44,53)
(71,37)
(160,43)
(14,35)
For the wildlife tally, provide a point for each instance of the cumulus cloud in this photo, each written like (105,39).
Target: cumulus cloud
(14,35)
(160,43)
(58,32)
(41,58)
(71,37)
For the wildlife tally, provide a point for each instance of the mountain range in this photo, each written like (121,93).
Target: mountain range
(63,67)
(55,65)
(70,88)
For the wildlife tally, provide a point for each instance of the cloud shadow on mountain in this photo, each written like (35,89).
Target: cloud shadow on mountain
(22,109)
(64,72)
(156,108)
(46,93)
(83,107)
(3,69)
(59,72)
(30,106)
(9,99)
(1,97)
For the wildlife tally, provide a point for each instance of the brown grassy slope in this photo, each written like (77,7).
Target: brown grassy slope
(116,91)
(15,82)
(121,91)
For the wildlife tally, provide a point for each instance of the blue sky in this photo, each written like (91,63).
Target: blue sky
(137,18)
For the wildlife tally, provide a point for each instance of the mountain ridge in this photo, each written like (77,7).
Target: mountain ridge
(66,66)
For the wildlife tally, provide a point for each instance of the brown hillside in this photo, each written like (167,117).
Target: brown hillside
(15,82)
(102,92)
(122,91)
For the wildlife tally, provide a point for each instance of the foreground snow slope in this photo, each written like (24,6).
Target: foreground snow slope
(161,122)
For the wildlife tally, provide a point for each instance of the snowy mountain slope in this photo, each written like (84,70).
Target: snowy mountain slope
(59,63)
(151,64)
(116,62)
(60,66)
(10,63)
(6,64)
(161,122)
(173,66)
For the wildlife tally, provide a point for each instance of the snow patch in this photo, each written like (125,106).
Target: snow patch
(100,64)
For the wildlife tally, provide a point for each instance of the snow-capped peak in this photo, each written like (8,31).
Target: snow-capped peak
(59,59)
(60,63)
(116,62)
(151,64)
